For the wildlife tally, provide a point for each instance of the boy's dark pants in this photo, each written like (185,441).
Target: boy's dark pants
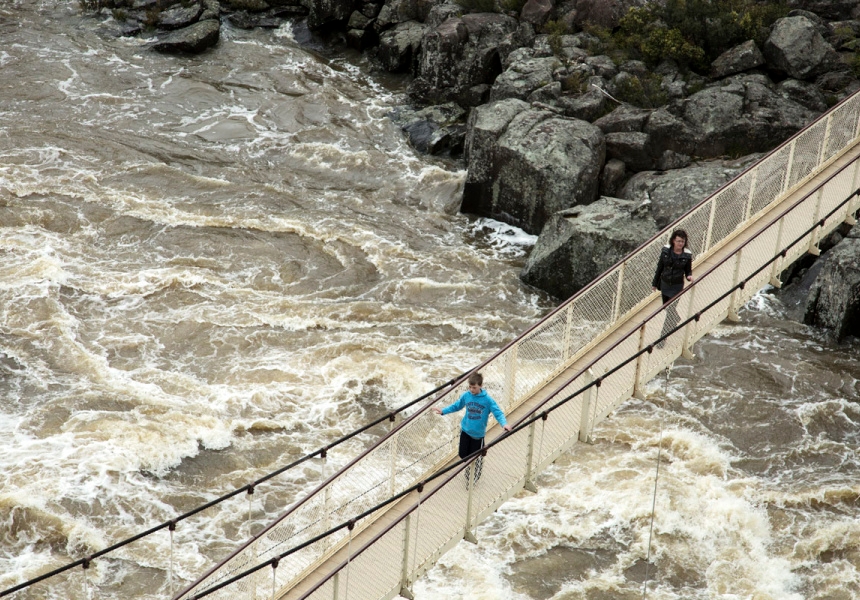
(468,446)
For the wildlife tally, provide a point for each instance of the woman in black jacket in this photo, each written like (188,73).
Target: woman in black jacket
(674,266)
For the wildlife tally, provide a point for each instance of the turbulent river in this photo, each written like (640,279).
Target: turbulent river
(212,265)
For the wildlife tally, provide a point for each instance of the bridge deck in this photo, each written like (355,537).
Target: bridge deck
(623,328)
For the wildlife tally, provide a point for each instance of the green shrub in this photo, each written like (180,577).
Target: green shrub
(603,41)
(644,92)
(512,5)
(555,29)
(853,62)
(694,32)
(576,82)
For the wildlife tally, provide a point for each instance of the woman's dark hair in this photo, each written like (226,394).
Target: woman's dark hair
(678,233)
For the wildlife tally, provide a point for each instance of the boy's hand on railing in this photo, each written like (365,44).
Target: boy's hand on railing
(507,427)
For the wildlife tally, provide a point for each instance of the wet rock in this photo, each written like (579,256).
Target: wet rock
(323,12)
(270,18)
(796,47)
(834,297)
(211,10)
(459,54)
(542,163)
(179,16)
(741,58)
(398,47)
(583,242)
(399,11)
(434,129)
(672,193)
(190,40)
(487,123)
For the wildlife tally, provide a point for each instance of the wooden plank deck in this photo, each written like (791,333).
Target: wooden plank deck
(621,329)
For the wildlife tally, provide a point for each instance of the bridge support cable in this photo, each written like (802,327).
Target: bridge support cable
(656,478)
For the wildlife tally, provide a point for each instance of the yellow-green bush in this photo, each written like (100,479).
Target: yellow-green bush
(694,32)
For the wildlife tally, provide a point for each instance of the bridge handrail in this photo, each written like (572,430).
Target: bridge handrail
(403,457)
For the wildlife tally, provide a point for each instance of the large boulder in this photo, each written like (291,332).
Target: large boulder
(741,115)
(400,11)
(190,40)
(796,46)
(581,243)
(460,55)
(398,47)
(323,12)
(741,58)
(834,298)
(669,194)
(524,77)
(541,163)
(829,9)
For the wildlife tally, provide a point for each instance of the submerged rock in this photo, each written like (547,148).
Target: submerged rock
(190,40)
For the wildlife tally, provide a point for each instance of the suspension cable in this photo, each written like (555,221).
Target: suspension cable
(656,478)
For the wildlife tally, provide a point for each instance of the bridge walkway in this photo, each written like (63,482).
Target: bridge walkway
(621,330)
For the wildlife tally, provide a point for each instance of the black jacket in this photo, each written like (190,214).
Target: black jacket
(672,268)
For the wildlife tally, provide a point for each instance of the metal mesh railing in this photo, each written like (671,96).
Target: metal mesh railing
(423,443)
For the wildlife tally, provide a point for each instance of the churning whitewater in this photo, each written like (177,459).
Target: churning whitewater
(214,265)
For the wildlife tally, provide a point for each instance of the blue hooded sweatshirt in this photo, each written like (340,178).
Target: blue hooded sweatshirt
(478,409)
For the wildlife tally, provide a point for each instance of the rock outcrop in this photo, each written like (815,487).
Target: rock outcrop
(542,162)
(834,297)
(583,242)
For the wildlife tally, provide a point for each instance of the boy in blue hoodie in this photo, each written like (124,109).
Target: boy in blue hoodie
(473,427)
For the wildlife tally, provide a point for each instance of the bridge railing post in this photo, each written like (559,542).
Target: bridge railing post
(788,167)
(638,390)
(776,269)
(589,398)
(816,233)
(511,375)
(686,352)
(529,484)
(470,486)
(733,302)
(617,303)
(405,579)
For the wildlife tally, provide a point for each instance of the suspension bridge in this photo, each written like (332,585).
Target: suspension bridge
(380,520)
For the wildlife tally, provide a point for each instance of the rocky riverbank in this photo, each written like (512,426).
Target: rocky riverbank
(593,123)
